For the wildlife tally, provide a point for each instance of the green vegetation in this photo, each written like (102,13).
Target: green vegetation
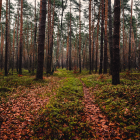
(63,117)
(120,103)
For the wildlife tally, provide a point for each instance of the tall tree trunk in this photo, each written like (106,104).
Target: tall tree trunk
(49,38)
(129,56)
(17,49)
(21,38)
(97,44)
(6,44)
(116,57)
(9,39)
(61,36)
(123,43)
(67,57)
(90,37)
(35,30)
(92,61)
(52,29)
(2,44)
(105,43)
(57,49)
(13,47)
(0,8)
(110,37)
(41,39)
(102,32)
(79,36)
(70,41)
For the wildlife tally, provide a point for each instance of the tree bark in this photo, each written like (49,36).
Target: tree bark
(41,39)
(97,44)
(90,37)
(105,43)
(110,37)
(6,44)
(79,36)
(70,41)
(102,33)
(21,39)
(116,57)
(0,8)
(129,56)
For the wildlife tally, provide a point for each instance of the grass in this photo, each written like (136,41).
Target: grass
(120,103)
(62,118)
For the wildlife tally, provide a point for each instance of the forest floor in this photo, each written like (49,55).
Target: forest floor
(69,105)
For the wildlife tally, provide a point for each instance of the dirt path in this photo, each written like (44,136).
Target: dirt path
(101,125)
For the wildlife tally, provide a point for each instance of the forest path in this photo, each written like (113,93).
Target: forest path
(22,108)
(101,125)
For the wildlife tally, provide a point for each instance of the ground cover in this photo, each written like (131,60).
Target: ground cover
(69,105)
(120,103)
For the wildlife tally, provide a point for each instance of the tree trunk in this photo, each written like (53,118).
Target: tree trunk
(21,39)
(105,43)
(79,36)
(13,47)
(129,56)
(2,44)
(6,44)
(17,63)
(92,61)
(90,37)
(0,8)
(41,39)
(123,43)
(102,32)
(35,30)
(110,37)
(67,57)
(116,57)
(97,44)
(70,41)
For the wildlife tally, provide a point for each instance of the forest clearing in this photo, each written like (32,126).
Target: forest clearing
(70,105)
(70,69)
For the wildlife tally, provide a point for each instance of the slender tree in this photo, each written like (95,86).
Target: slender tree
(17,37)
(129,56)
(70,68)
(110,36)
(80,36)
(97,44)
(116,57)
(41,39)
(0,8)
(90,36)
(6,44)
(21,38)
(35,30)
(102,31)
(123,42)
(105,43)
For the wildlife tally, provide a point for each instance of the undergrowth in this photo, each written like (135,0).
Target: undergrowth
(121,103)
(63,117)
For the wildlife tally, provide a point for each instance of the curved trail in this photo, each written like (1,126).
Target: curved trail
(104,130)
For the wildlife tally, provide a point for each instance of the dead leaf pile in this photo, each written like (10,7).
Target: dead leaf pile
(104,130)
(20,111)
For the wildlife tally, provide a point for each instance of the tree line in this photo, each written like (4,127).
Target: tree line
(98,36)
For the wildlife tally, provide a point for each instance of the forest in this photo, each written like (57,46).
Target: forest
(70,69)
